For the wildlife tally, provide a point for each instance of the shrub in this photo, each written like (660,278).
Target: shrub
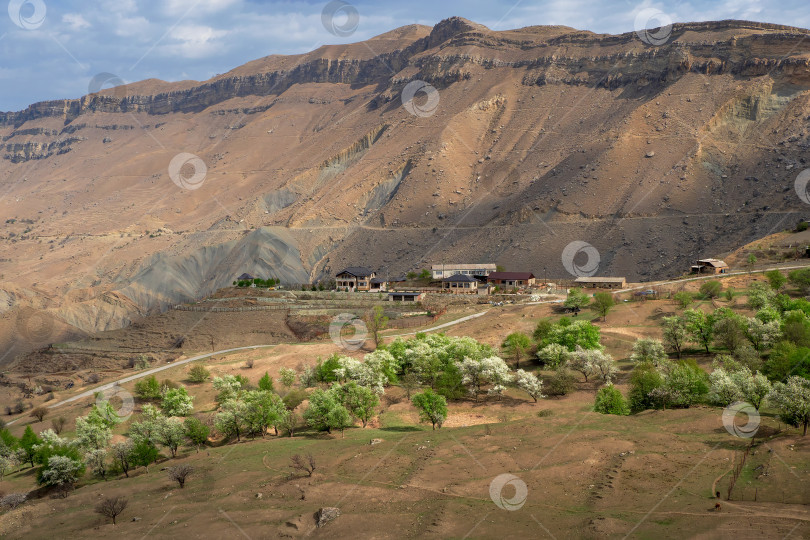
(643,380)
(198,374)
(562,383)
(609,400)
(683,299)
(39,413)
(13,500)
(294,398)
(148,389)
(711,289)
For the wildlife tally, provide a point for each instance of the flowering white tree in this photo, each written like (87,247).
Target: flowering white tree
(227,386)
(724,389)
(497,373)
(762,334)
(593,362)
(728,387)
(649,350)
(369,374)
(553,355)
(491,370)
(793,401)
(529,383)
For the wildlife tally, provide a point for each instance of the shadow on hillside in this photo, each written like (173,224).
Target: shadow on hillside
(400,429)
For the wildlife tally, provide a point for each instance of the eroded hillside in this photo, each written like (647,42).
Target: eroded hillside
(541,136)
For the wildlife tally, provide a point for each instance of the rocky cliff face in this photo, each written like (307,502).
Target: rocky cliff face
(538,137)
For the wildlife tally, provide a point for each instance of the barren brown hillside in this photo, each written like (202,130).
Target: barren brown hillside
(541,136)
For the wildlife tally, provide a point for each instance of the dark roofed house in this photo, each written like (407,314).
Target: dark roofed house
(355,278)
(511,279)
(460,284)
(245,277)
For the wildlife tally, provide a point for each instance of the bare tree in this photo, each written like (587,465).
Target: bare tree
(179,473)
(58,424)
(376,322)
(112,507)
(38,413)
(303,464)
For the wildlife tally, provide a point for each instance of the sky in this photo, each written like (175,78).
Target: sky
(54,49)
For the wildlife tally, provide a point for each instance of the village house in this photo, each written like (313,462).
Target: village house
(460,284)
(355,278)
(601,282)
(511,279)
(441,271)
(710,266)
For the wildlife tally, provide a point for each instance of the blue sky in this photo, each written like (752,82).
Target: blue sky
(68,42)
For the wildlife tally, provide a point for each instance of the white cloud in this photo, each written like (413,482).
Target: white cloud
(75,21)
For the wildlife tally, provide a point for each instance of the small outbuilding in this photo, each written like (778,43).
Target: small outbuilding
(602,282)
(710,266)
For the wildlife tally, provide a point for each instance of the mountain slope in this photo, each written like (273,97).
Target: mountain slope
(540,137)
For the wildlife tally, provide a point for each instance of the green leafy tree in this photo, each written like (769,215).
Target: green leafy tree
(602,304)
(515,346)
(576,298)
(675,333)
(170,434)
(801,279)
(685,384)
(710,289)
(322,413)
(432,407)
(542,330)
(196,432)
(360,401)
(177,402)
(700,327)
(27,444)
(609,400)
(287,377)
(266,383)
(376,322)
(793,401)
(683,298)
(144,453)
(752,260)
(264,410)
(775,279)
(572,334)
(643,380)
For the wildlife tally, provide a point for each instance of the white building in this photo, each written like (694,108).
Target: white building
(441,271)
